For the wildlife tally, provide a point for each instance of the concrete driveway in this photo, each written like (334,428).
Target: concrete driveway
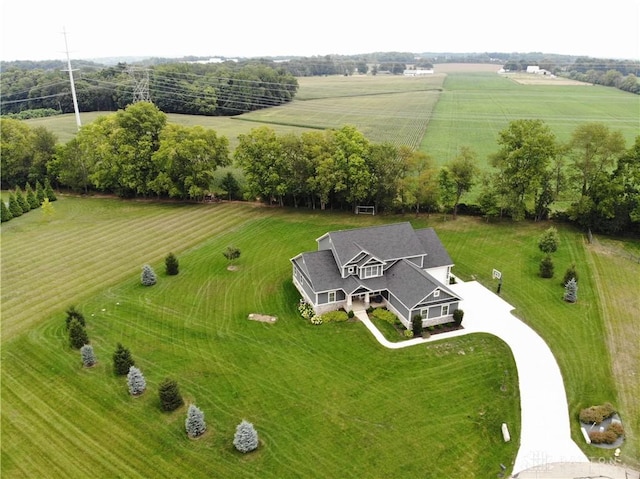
(545,428)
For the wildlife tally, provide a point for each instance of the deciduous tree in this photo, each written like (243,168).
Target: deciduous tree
(464,170)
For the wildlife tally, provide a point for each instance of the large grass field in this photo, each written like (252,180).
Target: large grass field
(327,401)
(475,106)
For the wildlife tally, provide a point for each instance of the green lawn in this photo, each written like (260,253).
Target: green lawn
(315,394)
(327,401)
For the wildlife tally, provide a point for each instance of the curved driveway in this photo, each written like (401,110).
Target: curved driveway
(545,436)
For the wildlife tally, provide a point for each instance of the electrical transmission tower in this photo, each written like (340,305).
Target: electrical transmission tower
(140,84)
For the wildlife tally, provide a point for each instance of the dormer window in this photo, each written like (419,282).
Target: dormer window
(371,271)
(351,269)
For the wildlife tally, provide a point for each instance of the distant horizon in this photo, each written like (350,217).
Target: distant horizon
(426,55)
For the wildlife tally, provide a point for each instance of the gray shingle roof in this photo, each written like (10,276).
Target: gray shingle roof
(393,241)
(436,254)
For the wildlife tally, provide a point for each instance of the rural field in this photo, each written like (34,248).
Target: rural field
(313,393)
(327,401)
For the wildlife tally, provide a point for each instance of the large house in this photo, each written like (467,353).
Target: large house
(394,265)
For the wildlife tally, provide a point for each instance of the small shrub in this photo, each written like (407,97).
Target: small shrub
(351,314)
(171,264)
(169,393)
(136,381)
(122,360)
(305,309)
(88,356)
(316,319)
(231,253)
(408,333)
(334,316)
(385,315)
(246,437)
(458,314)
(77,335)
(617,428)
(546,267)
(416,325)
(195,424)
(604,437)
(148,276)
(596,414)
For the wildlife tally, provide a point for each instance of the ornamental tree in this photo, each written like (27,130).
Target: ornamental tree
(5,214)
(231,253)
(122,360)
(546,267)
(77,335)
(571,291)
(136,382)
(570,273)
(73,313)
(549,241)
(14,207)
(88,356)
(170,397)
(148,276)
(171,264)
(22,201)
(31,197)
(246,437)
(195,424)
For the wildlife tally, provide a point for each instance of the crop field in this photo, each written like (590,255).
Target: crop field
(463,105)
(474,107)
(312,392)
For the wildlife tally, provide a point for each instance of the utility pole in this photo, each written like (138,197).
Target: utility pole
(73,86)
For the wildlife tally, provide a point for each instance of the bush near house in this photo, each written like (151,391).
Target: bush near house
(597,414)
(334,316)
(385,315)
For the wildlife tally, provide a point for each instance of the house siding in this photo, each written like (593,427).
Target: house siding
(323,298)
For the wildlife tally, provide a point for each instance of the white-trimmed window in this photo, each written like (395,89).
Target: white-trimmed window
(331,297)
(445,310)
(371,271)
(436,293)
(424,313)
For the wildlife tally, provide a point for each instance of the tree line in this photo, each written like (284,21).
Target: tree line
(229,88)
(135,152)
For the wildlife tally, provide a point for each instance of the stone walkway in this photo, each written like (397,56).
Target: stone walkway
(545,436)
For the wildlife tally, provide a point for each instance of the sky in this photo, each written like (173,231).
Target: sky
(32,29)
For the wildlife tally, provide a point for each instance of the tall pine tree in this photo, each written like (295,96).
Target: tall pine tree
(88,356)
(170,398)
(246,437)
(5,214)
(14,207)
(136,381)
(194,424)
(122,360)
(77,335)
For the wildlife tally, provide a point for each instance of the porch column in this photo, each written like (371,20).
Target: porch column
(349,303)
(366,300)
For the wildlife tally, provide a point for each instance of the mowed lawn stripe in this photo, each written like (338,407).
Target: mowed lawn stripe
(98,254)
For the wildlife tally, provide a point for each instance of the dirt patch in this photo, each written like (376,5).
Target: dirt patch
(232,267)
(263,318)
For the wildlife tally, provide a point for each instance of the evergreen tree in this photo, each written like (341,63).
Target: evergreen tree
(571,291)
(148,277)
(246,437)
(47,208)
(31,197)
(170,398)
(171,264)
(5,214)
(122,360)
(571,273)
(194,424)
(546,267)
(40,196)
(14,207)
(230,185)
(88,357)
(48,190)
(136,382)
(77,334)
(22,201)
(73,313)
